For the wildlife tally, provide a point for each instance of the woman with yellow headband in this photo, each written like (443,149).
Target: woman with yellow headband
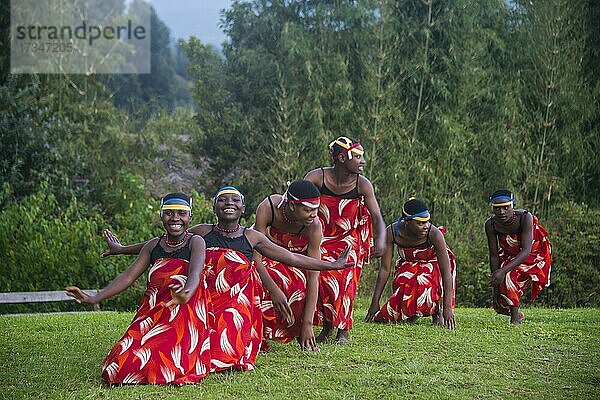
(232,281)
(520,254)
(290,221)
(349,213)
(166,342)
(424,280)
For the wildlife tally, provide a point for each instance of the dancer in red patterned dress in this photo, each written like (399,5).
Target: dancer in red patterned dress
(290,221)
(425,271)
(520,254)
(232,279)
(168,340)
(348,207)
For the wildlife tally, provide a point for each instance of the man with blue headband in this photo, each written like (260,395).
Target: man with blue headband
(520,254)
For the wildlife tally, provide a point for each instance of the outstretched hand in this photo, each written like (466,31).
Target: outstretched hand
(79,295)
(342,260)
(449,321)
(114,245)
(307,338)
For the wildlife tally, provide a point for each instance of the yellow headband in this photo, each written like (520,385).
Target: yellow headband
(228,191)
(508,203)
(176,207)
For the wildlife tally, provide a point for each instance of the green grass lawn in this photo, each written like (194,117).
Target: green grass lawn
(554,354)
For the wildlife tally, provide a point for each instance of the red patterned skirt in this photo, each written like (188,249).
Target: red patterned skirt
(234,289)
(346,222)
(163,345)
(534,272)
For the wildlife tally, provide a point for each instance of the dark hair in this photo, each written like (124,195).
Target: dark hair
(303,190)
(335,149)
(413,206)
(178,196)
(502,193)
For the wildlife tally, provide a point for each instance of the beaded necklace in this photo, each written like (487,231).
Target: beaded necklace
(284,214)
(177,243)
(220,229)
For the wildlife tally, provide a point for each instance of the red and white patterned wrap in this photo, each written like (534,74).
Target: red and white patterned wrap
(417,287)
(292,281)
(234,289)
(164,345)
(346,222)
(534,272)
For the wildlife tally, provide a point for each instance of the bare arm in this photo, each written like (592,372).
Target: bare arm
(307,336)
(181,295)
(267,248)
(278,298)
(383,275)
(366,189)
(439,243)
(492,246)
(115,247)
(121,282)
(526,242)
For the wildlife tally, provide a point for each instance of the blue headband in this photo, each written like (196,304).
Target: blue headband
(502,197)
(406,216)
(227,190)
(176,199)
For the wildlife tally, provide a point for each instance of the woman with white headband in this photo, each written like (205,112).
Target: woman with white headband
(424,280)
(290,221)
(520,254)
(349,213)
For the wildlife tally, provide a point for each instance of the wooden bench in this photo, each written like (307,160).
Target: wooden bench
(42,297)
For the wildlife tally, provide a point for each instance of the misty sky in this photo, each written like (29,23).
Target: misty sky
(187,18)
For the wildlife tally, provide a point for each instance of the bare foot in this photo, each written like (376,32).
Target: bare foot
(342,337)
(411,320)
(516,320)
(325,333)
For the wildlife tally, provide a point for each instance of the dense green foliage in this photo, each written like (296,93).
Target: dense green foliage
(50,248)
(554,355)
(451,99)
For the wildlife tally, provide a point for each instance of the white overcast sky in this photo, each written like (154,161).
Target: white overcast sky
(187,18)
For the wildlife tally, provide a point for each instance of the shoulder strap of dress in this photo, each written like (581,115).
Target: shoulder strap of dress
(395,231)
(493,226)
(525,212)
(272,210)
(427,237)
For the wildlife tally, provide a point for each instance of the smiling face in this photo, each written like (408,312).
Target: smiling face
(303,214)
(176,222)
(229,207)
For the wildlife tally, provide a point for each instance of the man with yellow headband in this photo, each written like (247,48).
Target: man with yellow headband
(520,254)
